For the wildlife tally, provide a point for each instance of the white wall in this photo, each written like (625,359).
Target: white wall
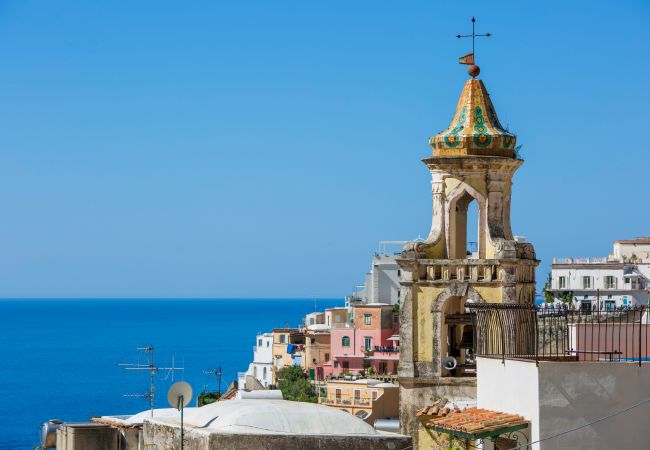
(511,387)
(619,295)
(261,367)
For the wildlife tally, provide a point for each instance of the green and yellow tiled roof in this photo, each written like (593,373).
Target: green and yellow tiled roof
(475,129)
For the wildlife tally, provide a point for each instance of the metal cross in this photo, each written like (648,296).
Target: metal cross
(473,35)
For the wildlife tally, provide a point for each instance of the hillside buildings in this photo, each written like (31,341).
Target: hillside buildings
(381,283)
(620,280)
(262,365)
(473,160)
(366,341)
(367,399)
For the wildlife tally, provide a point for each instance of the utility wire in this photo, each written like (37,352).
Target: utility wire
(593,422)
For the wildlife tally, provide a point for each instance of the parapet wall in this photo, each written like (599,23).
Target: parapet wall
(167,437)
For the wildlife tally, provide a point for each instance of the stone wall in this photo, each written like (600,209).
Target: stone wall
(167,437)
(414,396)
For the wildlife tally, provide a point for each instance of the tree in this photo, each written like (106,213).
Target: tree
(295,386)
(548,296)
(206,398)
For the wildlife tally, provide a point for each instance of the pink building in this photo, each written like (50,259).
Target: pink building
(367,340)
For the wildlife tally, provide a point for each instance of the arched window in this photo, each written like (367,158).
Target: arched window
(345,341)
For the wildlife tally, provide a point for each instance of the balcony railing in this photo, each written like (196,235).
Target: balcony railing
(346,402)
(386,349)
(562,333)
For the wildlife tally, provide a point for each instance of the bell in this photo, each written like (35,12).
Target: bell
(467,341)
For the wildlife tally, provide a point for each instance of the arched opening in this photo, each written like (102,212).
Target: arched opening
(464,227)
(457,338)
(471,235)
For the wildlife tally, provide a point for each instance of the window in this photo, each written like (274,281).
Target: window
(259,342)
(399,273)
(374,395)
(338,395)
(345,341)
(268,343)
(264,373)
(586,282)
(610,282)
(346,365)
(336,364)
(367,343)
(282,338)
(367,319)
(357,394)
(327,357)
(610,305)
(255,371)
(561,283)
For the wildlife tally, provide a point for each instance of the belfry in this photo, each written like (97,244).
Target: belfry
(474,159)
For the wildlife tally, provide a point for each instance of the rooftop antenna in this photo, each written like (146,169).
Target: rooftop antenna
(150,395)
(217,373)
(179,396)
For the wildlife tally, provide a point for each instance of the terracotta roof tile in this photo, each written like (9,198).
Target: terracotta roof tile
(472,420)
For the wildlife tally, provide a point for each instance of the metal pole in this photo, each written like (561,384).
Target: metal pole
(181,401)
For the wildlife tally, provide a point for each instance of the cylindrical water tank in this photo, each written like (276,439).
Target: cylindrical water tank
(390,425)
(48,433)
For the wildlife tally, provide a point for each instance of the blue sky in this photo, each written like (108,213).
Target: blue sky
(262,149)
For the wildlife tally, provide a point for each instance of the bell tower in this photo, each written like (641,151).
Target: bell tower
(474,159)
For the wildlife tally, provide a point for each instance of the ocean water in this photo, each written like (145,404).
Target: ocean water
(58,358)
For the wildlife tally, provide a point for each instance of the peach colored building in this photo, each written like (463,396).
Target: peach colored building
(317,362)
(367,399)
(288,348)
(366,340)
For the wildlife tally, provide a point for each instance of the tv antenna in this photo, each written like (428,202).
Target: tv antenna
(217,373)
(153,370)
(179,396)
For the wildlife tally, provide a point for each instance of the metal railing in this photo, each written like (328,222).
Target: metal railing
(561,333)
(386,349)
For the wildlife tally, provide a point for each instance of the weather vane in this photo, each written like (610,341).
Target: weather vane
(468,59)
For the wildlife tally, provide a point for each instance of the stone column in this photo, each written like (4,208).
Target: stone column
(406,354)
(438,218)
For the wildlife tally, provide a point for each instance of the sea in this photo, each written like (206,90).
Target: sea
(59,358)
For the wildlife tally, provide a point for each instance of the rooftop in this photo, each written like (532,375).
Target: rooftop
(475,128)
(249,416)
(473,423)
(638,240)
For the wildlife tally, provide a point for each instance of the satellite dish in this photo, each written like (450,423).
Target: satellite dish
(178,391)
(449,363)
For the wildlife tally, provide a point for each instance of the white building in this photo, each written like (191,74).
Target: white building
(619,280)
(381,283)
(262,363)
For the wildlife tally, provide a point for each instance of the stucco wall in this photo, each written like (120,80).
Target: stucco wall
(560,396)
(167,437)
(572,394)
(509,387)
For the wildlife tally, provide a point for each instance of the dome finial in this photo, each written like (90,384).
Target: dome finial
(473,70)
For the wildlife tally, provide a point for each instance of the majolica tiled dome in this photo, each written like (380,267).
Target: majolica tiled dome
(475,129)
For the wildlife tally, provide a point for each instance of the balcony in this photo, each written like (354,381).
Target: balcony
(473,270)
(386,349)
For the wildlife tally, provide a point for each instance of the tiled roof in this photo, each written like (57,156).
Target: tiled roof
(473,422)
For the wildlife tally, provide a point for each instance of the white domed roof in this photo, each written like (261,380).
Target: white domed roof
(251,416)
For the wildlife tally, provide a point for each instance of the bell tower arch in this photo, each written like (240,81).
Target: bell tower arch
(473,160)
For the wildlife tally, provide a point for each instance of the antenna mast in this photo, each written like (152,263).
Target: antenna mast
(152,374)
(217,373)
